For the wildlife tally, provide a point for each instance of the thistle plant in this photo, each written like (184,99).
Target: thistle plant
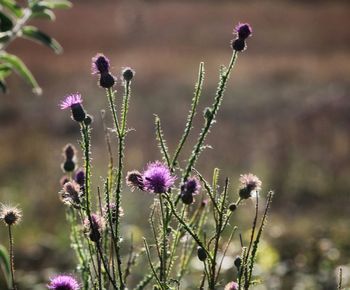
(14,20)
(95,216)
(191,216)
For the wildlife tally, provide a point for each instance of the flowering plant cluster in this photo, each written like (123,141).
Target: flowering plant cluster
(190,216)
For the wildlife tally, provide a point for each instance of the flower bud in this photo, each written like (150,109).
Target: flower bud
(238,44)
(128,74)
(201,254)
(232,207)
(238,262)
(107,81)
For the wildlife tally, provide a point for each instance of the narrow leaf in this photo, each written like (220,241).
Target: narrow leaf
(44,14)
(35,34)
(56,4)
(18,65)
(5,263)
(12,6)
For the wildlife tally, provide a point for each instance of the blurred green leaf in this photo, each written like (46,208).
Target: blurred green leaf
(4,256)
(5,36)
(56,4)
(17,64)
(35,34)
(44,14)
(5,22)
(12,6)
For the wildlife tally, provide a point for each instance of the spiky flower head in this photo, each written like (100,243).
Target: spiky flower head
(135,180)
(11,215)
(73,101)
(250,184)
(128,73)
(100,64)
(231,286)
(190,188)
(79,177)
(243,30)
(70,193)
(95,227)
(157,177)
(69,151)
(63,282)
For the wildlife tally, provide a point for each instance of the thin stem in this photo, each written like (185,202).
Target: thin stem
(150,263)
(105,265)
(163,267)
(191,115)
(214,110)
(27,13)
(110,95)
(12,263)
(187,227)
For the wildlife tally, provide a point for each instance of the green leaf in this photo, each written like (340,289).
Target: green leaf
(12,6)
(35,34)
(5,259)
(5,22)
(5,71)
(5,36)
(56,4)
(44,14)
(17,64)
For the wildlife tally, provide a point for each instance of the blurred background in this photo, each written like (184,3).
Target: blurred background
(285,118)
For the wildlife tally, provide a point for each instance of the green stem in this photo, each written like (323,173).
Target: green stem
(214,110)
(191,115)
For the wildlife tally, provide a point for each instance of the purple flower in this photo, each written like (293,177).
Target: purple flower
(157,177)
(80,177)
(243,30)
(100,64)
(71,100)
(63,282)
(231,286)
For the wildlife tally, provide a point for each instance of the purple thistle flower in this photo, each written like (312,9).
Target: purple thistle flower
(100,64)
(63,282)
(243,30)
(231,286)
(80,177)
(157,177)
(71,100)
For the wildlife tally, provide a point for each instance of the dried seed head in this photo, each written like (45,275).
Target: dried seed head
(71,193)
(134,180)
(95,228)
(250,184)
(10,215)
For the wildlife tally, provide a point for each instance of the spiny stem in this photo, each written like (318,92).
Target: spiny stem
(191,115)
(218,98)
(12,263)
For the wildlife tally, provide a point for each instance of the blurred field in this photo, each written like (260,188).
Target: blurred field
(285,117)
